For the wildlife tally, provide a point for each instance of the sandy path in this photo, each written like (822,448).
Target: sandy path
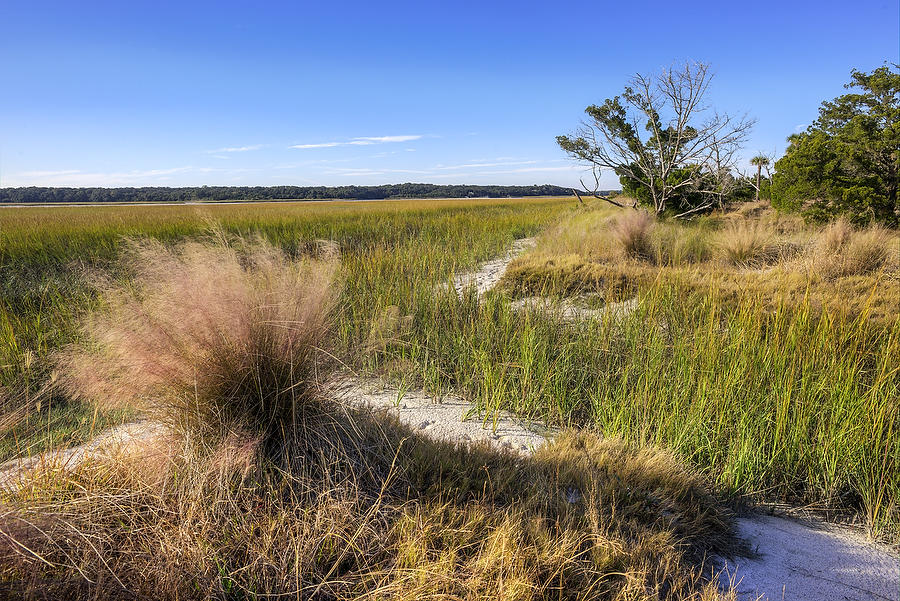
(812,560)
(488,275)
(449,417)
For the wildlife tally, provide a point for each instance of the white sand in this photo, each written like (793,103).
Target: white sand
(812,560)
(446,418)
(568,311)
(111,441)
(488,275)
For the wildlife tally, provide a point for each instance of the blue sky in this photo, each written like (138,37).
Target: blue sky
(331,93)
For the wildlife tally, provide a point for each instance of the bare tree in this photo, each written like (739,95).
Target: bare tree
(659,133)
(719,172)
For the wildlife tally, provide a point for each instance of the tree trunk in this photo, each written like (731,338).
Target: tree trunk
(758,174)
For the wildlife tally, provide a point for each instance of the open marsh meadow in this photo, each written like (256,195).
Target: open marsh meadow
(757,363)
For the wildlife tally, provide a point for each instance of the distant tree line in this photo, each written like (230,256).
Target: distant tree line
(233,193)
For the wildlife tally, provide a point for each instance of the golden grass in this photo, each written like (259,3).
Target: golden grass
(585,519)
(749,253)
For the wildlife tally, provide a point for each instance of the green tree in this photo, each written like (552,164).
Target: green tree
(759,161)
(661,139)
(848,160)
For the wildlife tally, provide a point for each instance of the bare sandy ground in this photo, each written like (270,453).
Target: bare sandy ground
(488,275)
(811,560)
(568,311)
(448,417)
(109,442)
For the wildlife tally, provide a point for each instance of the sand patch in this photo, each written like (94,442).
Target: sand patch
(812,560)
(488,275)
(448,417)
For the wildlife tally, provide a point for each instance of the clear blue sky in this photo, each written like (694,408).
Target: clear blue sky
(132,93)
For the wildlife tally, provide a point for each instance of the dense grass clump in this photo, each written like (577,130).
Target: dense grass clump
(209,339)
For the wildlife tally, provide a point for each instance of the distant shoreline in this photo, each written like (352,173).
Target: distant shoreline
(163,203)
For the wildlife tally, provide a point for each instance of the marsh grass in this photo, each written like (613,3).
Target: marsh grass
(771,362)
(774,382)
(263,485)
(51,259)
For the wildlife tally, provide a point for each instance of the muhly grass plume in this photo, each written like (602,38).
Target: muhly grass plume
(632,230)
(209,339)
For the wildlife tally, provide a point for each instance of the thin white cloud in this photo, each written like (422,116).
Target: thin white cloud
(482,165)
(360,141)
(49,173)
(75,177)
(385,139)
(322,145)
(235,149)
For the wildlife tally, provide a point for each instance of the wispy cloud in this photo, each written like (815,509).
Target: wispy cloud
(76,177)
(235,149)
(361,141)
(479,165)
(322,145)
(384,139)
(49,173)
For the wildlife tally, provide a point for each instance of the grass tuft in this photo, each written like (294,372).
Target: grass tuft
(632,231)
(746,244)
(209,339)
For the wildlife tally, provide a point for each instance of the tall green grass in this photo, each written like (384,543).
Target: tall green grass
(793,405)
(49,258)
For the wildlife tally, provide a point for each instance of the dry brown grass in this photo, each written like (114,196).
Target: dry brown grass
(632,231)
(842,251)
(585,519)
